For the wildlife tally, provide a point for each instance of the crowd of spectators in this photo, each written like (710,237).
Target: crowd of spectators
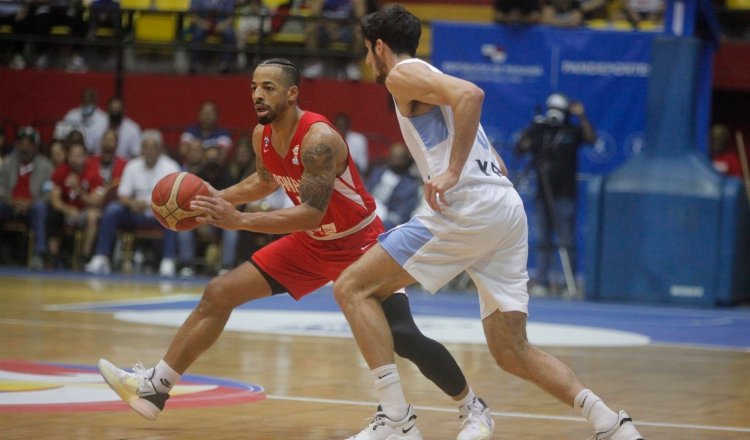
(623,14)
(93,180)
(231,28)
(219,33)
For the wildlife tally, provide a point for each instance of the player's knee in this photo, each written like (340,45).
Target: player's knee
(343,289)
(509,358)
(214,299)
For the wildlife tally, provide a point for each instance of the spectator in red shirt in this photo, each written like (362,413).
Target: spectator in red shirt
(76,200)
(724,156)
(108,165)
(23,175)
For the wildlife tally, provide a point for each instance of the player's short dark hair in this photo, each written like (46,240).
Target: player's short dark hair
(397,27)
(291,71)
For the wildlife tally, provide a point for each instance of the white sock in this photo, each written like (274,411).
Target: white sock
(590,406)
(164,377)
(390,394)
(468,399)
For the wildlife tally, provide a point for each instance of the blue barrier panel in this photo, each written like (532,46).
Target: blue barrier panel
(666,227)
(518,67)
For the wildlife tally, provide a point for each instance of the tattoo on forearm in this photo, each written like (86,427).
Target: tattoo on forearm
(316,184)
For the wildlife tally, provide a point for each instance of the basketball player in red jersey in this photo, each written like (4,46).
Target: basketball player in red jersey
(331,224)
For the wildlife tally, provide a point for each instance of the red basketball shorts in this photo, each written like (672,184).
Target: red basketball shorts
(303,264)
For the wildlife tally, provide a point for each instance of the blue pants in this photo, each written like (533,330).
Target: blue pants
(36,217)
(199,37)
(229,240)
(117,216)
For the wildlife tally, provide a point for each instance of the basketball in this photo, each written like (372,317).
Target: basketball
(170,200)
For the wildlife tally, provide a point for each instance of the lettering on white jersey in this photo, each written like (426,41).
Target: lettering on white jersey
(486,167)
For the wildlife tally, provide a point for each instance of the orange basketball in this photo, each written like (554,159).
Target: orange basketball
(170,200)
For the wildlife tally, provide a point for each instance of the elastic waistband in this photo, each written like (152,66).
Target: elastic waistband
(354,229)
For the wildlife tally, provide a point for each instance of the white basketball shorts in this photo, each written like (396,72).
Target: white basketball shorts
(483,231)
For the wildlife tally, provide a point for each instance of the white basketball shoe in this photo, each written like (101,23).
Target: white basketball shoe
(134,388)
(477,422)
(383,428)
(622,430)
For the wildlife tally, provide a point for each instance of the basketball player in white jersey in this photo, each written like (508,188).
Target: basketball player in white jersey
(476,224)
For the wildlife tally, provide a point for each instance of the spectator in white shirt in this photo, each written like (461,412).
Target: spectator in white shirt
(128,131)
(92,120)
(357,142)
(133,207)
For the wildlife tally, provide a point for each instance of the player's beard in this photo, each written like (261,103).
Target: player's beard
(269,117)
(380,69)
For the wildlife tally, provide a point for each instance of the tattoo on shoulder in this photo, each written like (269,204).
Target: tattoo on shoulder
(316,184)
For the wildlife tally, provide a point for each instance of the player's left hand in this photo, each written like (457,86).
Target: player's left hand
(216,211)
(435,188)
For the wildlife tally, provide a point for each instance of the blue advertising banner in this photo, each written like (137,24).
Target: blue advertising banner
(519,67)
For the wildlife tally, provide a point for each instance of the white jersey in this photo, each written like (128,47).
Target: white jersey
(429,138)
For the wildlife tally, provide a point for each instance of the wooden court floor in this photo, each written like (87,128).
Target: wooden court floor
(319,388)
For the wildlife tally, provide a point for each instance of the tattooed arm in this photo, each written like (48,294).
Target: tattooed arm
(255,186)
(324,156)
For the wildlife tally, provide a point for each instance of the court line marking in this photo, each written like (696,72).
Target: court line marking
(516,415)
(149,330)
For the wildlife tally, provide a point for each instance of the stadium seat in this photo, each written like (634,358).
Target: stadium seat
(172,5)
(136,4)
(155,27)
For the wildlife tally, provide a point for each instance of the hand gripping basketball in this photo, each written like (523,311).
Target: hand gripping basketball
(171,197)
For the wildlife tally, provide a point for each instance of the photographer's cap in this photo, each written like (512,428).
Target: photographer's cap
(558,101)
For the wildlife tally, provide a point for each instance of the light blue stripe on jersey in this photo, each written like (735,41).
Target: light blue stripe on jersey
(405,240)
(431,127)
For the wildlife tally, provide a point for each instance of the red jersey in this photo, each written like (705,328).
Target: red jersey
(73,195)
(351,207)
(22,190)
(109,174)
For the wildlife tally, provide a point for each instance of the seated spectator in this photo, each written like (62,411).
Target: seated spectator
(243,163)
(133,207)
(394,187)
(517,11)
(253,21)
(207,131)
(23,175)
(357,142)
(212,172)
(47,14)
(595,10)
(58,152)
(108,166)
(16,15)
(338,23)
(92,120)
(128,131)
(211,17)
(644,13)
(193,160)
(76,200)
(75,136)
(724,155)
(562,13)
(102,14)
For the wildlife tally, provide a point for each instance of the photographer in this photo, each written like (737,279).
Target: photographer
(553,140)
